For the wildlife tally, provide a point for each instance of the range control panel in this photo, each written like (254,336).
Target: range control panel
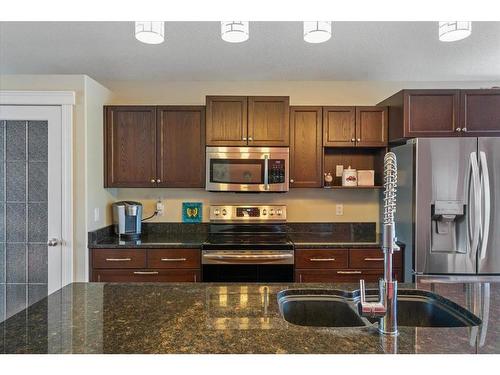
(248,213)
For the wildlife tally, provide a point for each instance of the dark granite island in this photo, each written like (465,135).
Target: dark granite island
(213,318)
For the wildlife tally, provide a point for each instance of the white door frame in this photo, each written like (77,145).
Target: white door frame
(65,100)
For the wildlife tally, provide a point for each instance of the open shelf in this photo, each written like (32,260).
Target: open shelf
(359,158)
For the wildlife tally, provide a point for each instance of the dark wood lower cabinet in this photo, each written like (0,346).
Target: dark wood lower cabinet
(146,275)
(145,265)
(340,276)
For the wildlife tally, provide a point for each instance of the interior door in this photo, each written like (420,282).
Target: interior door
(30,205)
(489,162)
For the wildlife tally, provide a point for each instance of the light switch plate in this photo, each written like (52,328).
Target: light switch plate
(338,171)
(160,208)
(97,214)
(339,209)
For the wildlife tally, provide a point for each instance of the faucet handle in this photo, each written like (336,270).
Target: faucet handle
(369,309)
(362,295)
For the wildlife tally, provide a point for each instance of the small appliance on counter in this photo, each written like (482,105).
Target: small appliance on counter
(127,219)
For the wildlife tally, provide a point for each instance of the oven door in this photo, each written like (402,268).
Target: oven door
(247,266)
(260,169)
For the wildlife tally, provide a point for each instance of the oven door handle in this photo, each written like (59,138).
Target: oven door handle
(247,258)
(266,172)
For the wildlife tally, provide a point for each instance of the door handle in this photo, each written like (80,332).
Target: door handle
(266,172)
(474,228)
(173,259)
(485,191)
(322,259)
(53,242)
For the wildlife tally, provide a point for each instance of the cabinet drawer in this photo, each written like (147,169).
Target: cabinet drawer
(323,259)
(145,275)
(114,258)
(340,276)
(372,259)
(174,258)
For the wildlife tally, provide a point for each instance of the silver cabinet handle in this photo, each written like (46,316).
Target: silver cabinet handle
(464,129)
(353,139)
(153,180)
(458,130)
(374,259)
(250,139)
(158,181)
(359,139)
(349,272)
(173,259)
(244,138)
(53,242)
(322,259)
(145,272)
(485,187)
(292,180)
(118,259)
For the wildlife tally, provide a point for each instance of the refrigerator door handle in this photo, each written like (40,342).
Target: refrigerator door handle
(485,191)
(474,232)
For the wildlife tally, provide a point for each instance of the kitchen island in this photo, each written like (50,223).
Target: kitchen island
(225,318)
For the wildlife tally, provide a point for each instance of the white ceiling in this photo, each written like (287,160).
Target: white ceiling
(194,51)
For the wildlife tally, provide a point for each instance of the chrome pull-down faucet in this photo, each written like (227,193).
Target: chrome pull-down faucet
(386,308)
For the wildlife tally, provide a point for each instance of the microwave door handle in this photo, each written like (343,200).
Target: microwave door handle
(485,190)
(266,172)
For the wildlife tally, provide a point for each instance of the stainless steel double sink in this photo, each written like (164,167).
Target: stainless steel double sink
(338,308)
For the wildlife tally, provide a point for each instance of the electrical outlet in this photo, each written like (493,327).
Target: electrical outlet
(338,170)
(160,208)
(339,209)
(97,214)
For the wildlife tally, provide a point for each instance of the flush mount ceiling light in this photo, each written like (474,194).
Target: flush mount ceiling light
(451,31)
(317,31)
(150,32)
(234,31)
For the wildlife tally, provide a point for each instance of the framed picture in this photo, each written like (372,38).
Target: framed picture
(192,212)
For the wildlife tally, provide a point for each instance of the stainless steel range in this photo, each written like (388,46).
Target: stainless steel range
(248,243)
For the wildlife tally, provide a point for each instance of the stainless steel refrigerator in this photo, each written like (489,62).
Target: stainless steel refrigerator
(448,205)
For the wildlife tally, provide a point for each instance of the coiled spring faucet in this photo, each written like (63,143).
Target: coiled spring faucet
(386,308)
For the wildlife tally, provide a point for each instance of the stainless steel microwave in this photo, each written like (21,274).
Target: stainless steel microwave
(247,169)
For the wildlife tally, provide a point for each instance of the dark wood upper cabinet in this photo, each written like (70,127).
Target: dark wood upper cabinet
(268,121)
(306,147)
(339,126)
(480,112)
(129,146)
(226,123)
(181,146)
(371,126)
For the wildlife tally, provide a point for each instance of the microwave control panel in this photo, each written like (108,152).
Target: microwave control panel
(276,172)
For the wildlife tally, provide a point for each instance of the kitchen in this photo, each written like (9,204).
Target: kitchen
(248,213)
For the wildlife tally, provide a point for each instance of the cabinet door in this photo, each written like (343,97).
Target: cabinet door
(130,146)
(174,258)
(268,121)
(480,112)
(181,146)
(146,275)
(226,120)
(371,126)
(339,126)
(321,258)
(431,113)
(305,147)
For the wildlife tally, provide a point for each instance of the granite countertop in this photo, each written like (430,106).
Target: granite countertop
(153,240)
(221,318)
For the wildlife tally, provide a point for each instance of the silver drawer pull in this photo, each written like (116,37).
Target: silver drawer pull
(322,259)
(349,272)
(173,259)
(118,259)
(145,272)
(374,259)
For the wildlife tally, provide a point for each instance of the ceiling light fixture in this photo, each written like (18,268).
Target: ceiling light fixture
(454,30)
(234,31)
(150,32)
(317,31)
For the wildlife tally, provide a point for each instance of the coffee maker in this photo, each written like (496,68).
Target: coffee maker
(127,218)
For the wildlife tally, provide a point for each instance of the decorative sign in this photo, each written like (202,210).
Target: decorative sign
(192,212)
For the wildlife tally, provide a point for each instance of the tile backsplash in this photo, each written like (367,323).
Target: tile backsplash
(23,214)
